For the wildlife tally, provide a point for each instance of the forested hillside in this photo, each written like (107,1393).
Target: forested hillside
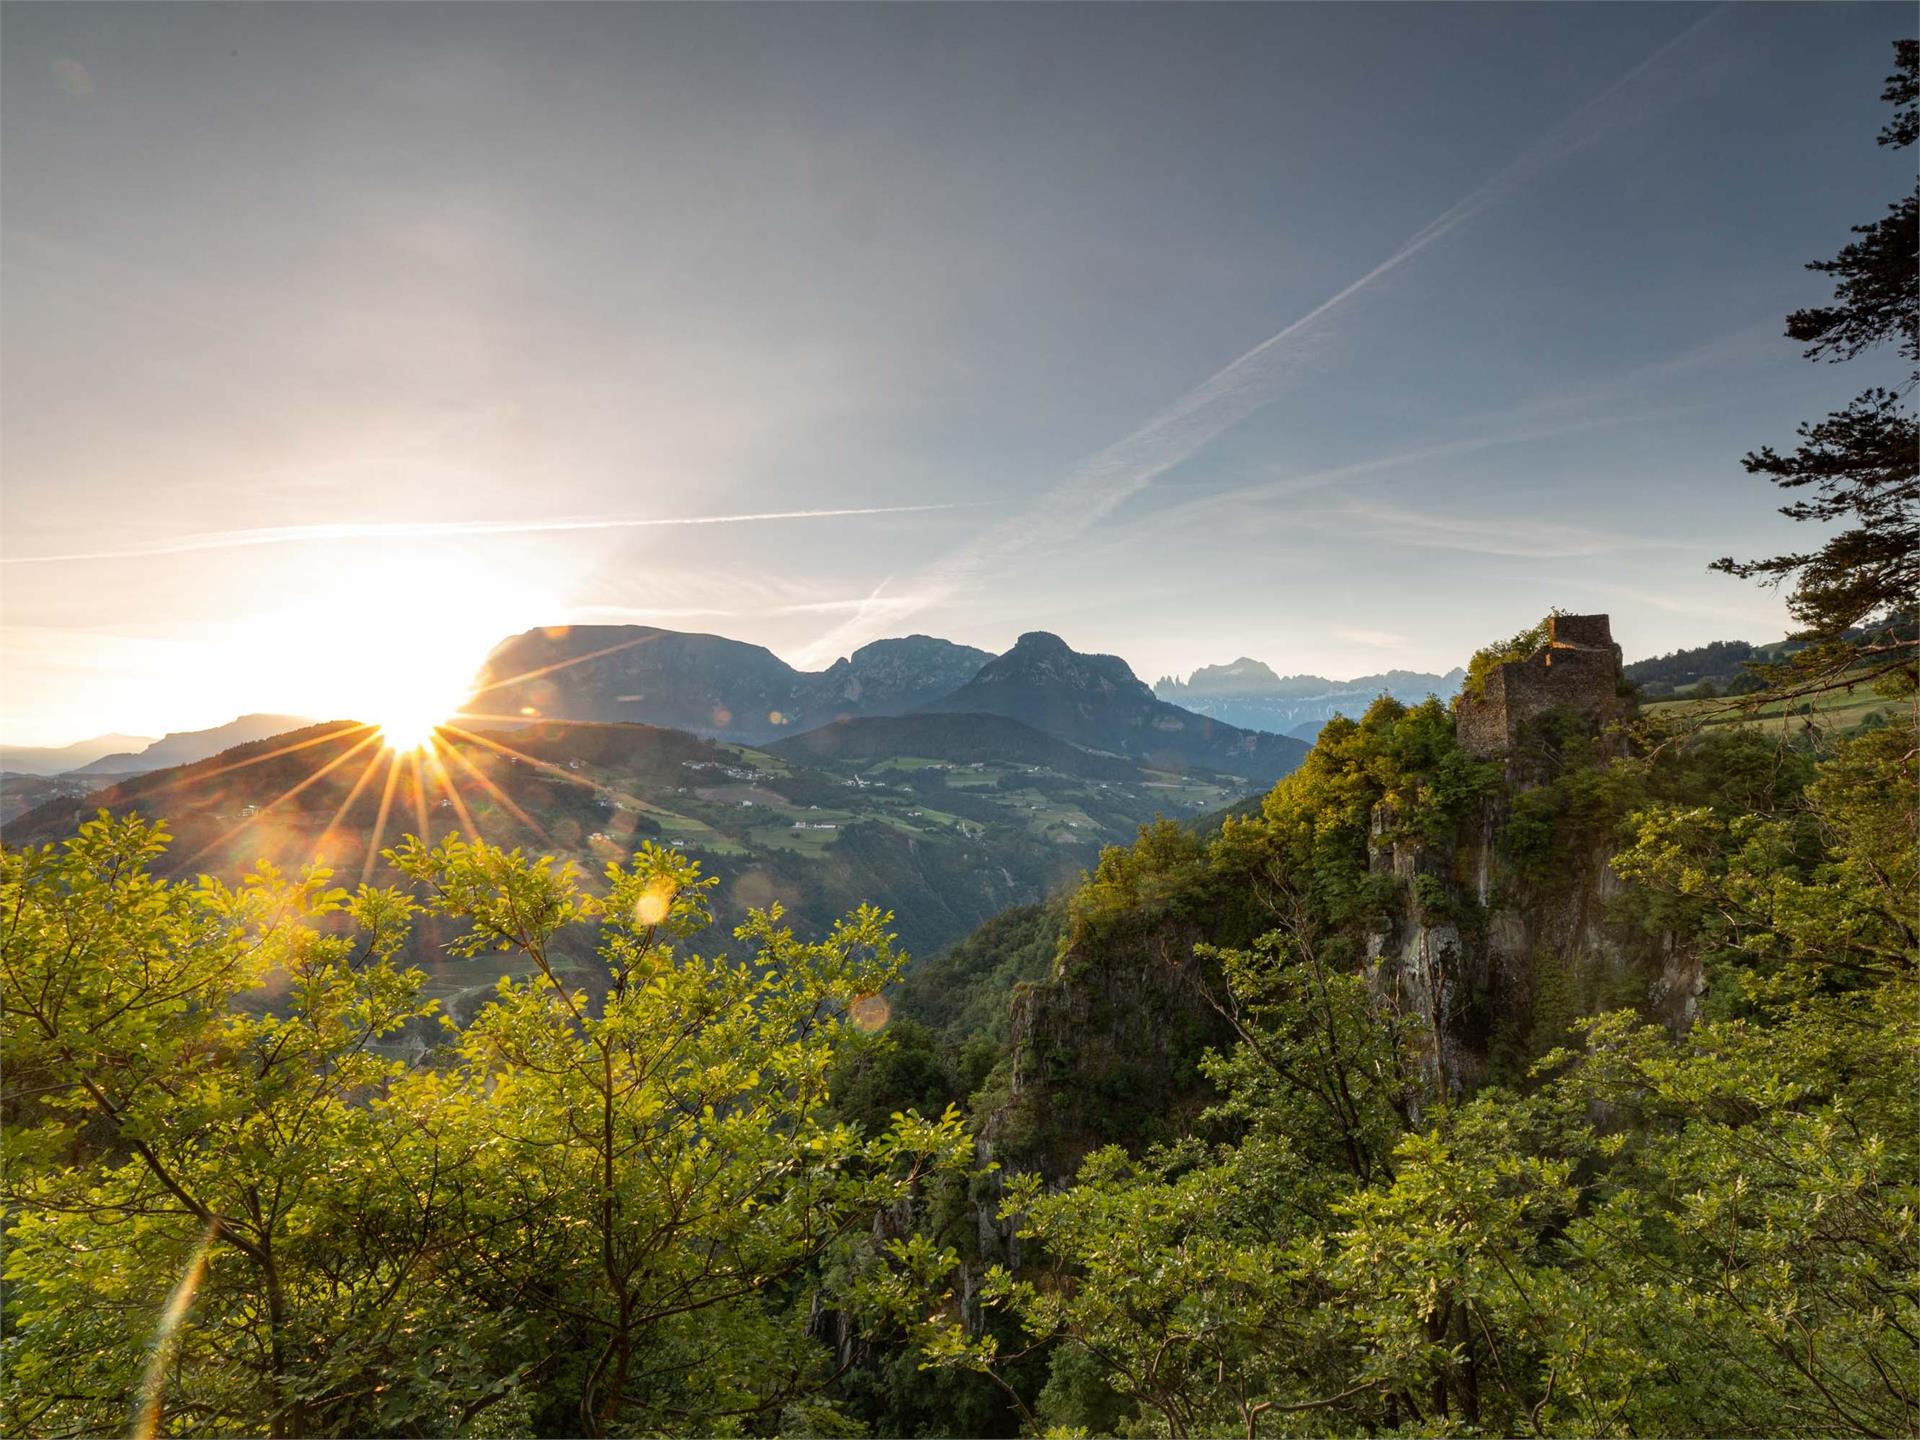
(1295,1106)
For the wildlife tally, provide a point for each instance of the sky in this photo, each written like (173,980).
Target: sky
(338,341)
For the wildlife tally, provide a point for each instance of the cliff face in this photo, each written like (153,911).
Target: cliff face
(1497,960)
(1493,956)
(1105,1051)
(1477,893)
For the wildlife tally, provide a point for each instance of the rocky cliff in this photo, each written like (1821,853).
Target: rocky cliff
(1476,894)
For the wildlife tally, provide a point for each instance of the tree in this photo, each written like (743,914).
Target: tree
(1862,463)
(1708,1229)
(231,1200)
(664,1173)
(164,1123)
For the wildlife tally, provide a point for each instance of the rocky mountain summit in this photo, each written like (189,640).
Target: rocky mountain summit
(1249,694)
(890,677)
(1098,702)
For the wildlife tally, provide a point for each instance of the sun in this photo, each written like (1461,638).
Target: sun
(407,730)
(409,703)
(410,693)
(413,627)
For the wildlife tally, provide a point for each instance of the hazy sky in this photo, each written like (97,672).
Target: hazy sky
(333,334)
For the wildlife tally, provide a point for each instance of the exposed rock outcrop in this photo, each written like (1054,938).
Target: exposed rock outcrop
(1492,946)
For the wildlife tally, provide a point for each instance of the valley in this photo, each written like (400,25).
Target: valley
(944,820)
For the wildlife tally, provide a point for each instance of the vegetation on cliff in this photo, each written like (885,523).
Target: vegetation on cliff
(1704,1229)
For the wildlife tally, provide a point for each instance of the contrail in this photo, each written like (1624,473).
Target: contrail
(1254,380)
(406,529)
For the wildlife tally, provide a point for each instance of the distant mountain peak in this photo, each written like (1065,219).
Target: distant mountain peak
(1249,694)
(1040,640)
(1245,674)
(183,747)
(1041,657)
(1098,702)
(57,759)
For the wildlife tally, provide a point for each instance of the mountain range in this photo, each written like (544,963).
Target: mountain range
(933,779)
(58,759)
(183,747)
(707,684)
(1096,701)
(944,819)
(723,689)
(1248,694)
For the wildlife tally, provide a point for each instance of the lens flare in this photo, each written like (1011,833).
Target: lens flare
(166,1339)
(655,901)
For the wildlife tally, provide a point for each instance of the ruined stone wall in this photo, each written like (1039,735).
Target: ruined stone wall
(1583,680)
(1579,667)
(1591,630)
(1480,722)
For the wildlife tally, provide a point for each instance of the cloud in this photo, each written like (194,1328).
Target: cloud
(434,529)
(1255,379)
(1536,539)
(1380,639)
(618,614)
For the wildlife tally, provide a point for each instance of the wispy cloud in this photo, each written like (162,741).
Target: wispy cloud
(1574,410)
(1379,639)
(438,529)
(1502,430)
(1499,535)
(1255,379)
(851,604)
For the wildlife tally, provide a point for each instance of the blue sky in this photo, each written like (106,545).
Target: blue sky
(319,320)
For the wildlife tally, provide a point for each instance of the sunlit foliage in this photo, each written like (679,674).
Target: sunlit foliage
(594,1214)
(1704,1232)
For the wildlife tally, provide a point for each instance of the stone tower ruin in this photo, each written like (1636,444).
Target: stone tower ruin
(1578,667)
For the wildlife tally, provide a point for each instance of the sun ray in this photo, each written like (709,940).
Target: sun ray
(487,784)
(529,719)
(380,820)
(366,774)
(419,795)
(192,775)
(535,674)
(543,765)
(468,826)
(284,796)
